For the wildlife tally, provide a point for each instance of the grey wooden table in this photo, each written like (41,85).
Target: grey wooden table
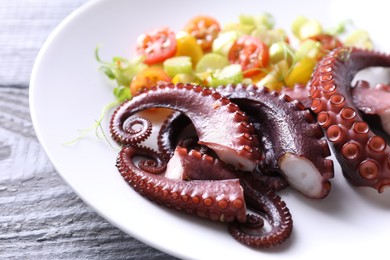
(40,215)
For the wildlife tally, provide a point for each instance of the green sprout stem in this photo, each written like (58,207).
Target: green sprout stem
(97,126)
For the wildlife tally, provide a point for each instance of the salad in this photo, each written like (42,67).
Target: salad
(250,50)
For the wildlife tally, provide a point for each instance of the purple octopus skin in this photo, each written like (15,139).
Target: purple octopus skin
(296,143)
(217,200)
(374,104)
(219,123)
(174,128)
(193,165)
(298,92)
(363,155)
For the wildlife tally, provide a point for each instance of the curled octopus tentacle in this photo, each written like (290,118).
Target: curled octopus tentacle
(217,200)
(219,123)
(268,206)
(259,197)
(363,155)
(133,130)
(292,140)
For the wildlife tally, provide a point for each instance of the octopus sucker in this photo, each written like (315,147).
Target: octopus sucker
(361,149)
(206,110)
(292,140)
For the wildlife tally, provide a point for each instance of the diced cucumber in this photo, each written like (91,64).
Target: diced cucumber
(281,51)
(304,28)
(310,28)
(246,19)
(297,25)
(265,20)
(231,74)
(308,48)
(211,62)
(178,65)
(224,42)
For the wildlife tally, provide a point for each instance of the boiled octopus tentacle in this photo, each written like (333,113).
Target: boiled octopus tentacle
(295,144)
(217,200)
(133,130)
(363,155)
(219,123)
(269,206)
(193,165)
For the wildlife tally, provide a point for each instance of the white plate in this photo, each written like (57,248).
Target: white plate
(67,93)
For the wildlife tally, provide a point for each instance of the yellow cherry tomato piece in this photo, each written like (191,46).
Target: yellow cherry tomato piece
(185,78)
(276,73)
(301,72)
(149,77)
(187,46)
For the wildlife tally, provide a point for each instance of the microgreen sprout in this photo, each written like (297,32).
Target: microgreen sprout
(97,126)
(122,71)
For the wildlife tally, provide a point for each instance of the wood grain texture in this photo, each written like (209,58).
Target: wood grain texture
(40,215)
(24,26)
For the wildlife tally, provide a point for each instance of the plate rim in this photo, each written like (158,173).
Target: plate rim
(79,11)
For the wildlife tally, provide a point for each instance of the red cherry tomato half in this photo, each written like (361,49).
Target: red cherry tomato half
(205,29)
(157,45)
(251,53)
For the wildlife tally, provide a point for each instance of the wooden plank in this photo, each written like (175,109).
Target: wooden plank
(24,26)
(41,217)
